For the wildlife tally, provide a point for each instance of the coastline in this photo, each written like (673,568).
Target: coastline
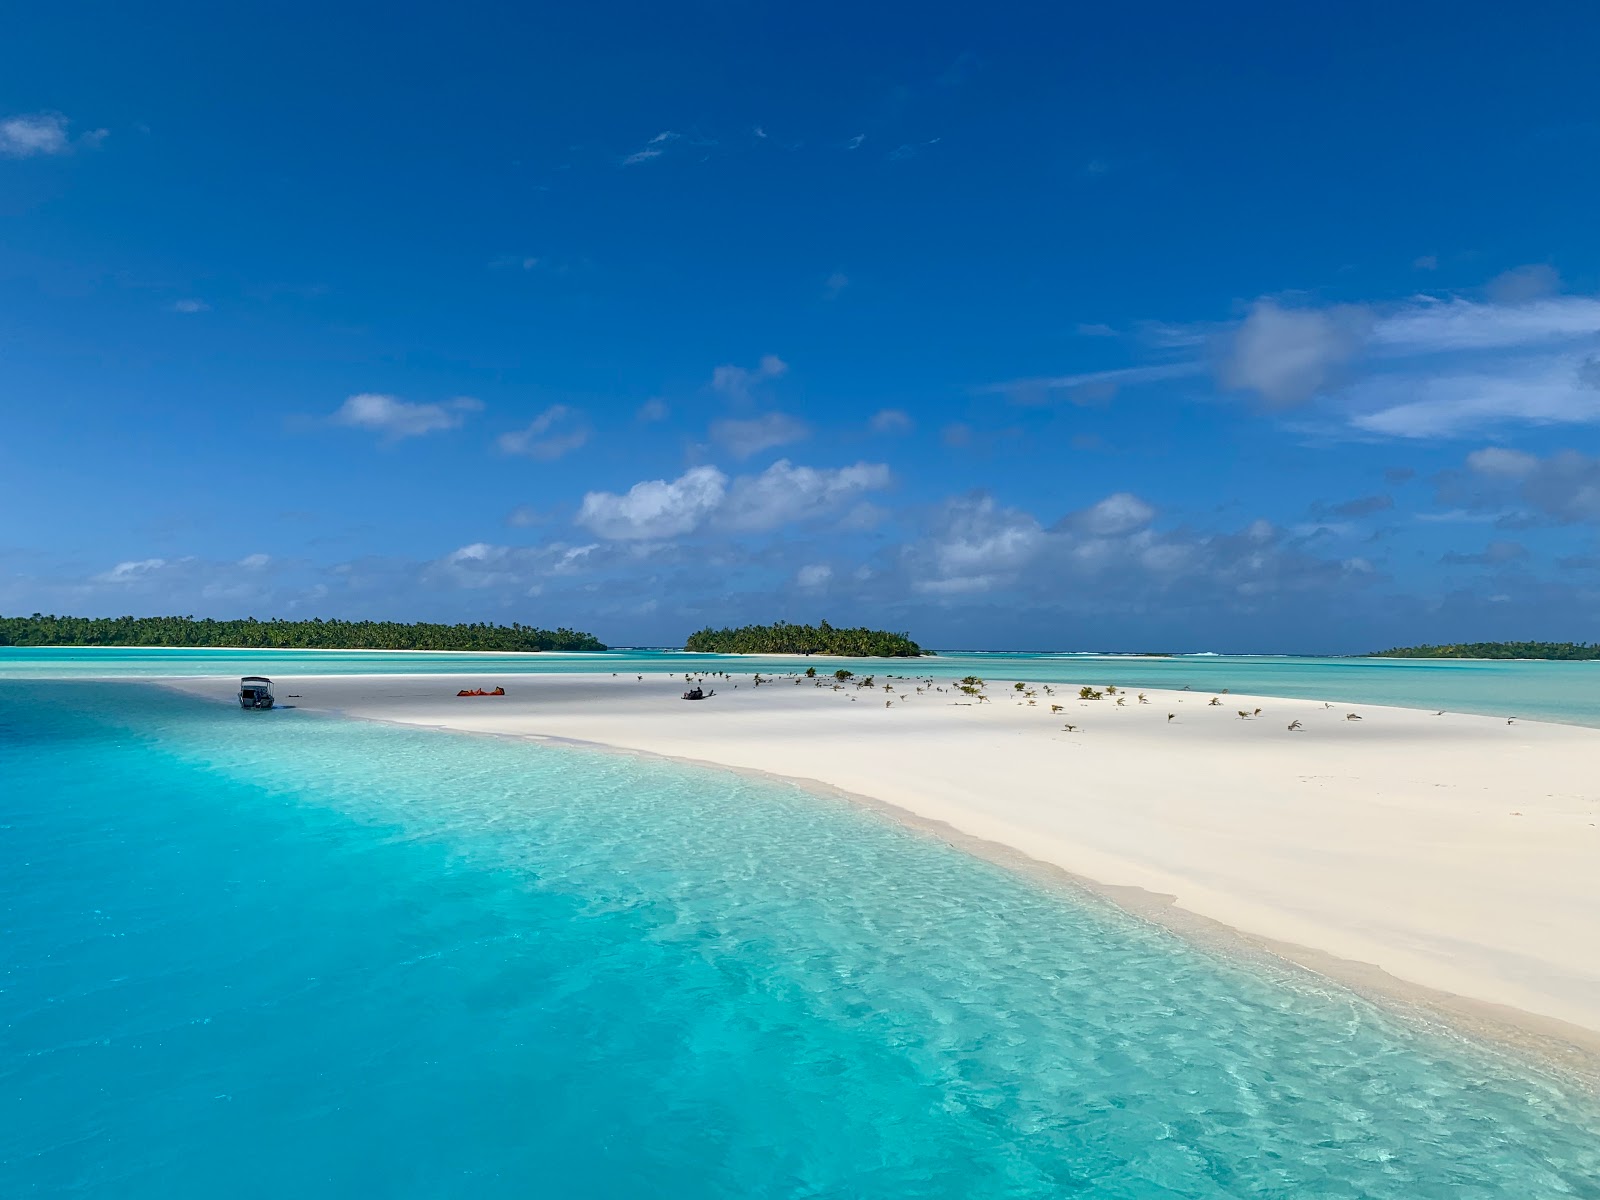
(1513,968)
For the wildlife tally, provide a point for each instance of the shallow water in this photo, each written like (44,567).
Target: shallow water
(1550,691)
(258,954)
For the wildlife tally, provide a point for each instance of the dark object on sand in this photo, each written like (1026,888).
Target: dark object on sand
(255,691)
(499,691)
(695,693)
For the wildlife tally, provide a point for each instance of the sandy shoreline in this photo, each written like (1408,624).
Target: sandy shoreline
(1445,862)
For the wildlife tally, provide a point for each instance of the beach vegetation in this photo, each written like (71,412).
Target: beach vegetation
(784,638)
(841,674)
(1088,693)
(1557,651)
(277,634)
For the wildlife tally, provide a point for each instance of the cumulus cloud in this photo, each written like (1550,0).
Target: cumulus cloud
(834,284)
(655,508)
(396,418)
(977,548)
(27,135)
(736,382)
(745,437)
(813,575)
(891,420)
(1288,355)
(1119,513)
(557,431)
(254,562)
(784,493)
(1525,283)
(1562,489)
(190,306)
(654,409)
(781,495)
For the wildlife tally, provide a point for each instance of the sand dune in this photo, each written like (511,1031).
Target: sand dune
(1458,853)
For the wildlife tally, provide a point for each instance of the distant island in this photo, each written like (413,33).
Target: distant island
(1560,651)
(318,634)
(784,638)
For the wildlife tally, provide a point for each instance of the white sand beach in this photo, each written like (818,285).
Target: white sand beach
(1459,854)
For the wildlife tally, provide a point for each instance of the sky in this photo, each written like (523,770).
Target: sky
(1241,327)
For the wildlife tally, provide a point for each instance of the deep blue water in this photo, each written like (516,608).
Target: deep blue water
(1550,691)
(274,954)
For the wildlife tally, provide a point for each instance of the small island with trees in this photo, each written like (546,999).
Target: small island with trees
(1550,651)
(318,634)
(784,638)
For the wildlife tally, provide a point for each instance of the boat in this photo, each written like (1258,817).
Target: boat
(255,691)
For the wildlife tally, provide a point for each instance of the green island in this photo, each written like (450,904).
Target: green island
(1557,651)
(39,630)
(784,638)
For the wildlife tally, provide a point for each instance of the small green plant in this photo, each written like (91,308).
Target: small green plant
(841,674)
(1055,708)
(811,672)
(1216,702)
(1018,686)
(1088,693)
(1143,699)
(1110,690)
(865,683)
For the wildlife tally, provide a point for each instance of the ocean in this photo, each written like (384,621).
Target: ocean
(269,954)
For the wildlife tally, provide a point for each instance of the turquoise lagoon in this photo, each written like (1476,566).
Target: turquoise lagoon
(269,954)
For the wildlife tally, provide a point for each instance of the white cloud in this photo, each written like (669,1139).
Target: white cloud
(736,382)
(190,306)
(655,508)
(1531,389)
(131,572)
(784,493)
(1288,355)
(30,134)
(654,148)
(891,420)
(654,409)
(1096,329)
(396,418)
(1524,283)
(1563,488)
(834,284)
(813,575)
(1502,463)
(977,547)
(1117,514)
(558,430)
(1428,326)
(742,438)
(255,562)
(1091,385)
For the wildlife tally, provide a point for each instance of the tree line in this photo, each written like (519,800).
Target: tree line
(784,638)
(277,634)
(1561,651)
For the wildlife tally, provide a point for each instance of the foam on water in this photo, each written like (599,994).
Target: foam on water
(276,954)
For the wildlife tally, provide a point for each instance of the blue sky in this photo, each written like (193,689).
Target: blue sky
(1242,329)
